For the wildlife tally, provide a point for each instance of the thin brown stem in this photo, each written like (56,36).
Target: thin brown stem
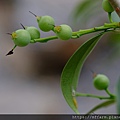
(116,5)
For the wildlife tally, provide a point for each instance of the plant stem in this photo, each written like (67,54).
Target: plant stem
(91,30)
(91,95)
(44,39)
(106,27)
(110,17)
(109,93)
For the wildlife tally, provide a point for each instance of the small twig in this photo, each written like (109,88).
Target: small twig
(107,27)
(92,96)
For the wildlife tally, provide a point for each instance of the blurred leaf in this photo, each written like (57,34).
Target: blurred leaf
(86,9)
(71,71)
(113,44)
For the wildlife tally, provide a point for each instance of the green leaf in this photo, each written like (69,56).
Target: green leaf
(118,96)
(71,71)
(101,105)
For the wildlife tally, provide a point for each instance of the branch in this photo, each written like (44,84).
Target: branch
(106,27)
(116,5)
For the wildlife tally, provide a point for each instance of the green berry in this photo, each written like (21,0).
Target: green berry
(34,32)
(64,32)
(21,37)
(101,82)
(107,6)
(46,23)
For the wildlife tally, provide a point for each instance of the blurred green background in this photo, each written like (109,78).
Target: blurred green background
(30,78)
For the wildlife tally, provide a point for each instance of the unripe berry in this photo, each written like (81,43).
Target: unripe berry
(101,82)
(46,23)
(34,32)
(107,6)
(21,37)
(64,32)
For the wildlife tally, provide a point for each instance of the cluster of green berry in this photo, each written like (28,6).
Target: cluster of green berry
(22,37)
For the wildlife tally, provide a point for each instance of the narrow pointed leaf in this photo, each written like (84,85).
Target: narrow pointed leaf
(101,105)
(71,71)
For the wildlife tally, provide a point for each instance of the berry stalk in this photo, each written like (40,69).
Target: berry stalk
(92,96)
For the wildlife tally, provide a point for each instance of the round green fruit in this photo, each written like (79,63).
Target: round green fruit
(34,32)
(64,32)
(107,6)
(46,23)
(21,37)
(101,82)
